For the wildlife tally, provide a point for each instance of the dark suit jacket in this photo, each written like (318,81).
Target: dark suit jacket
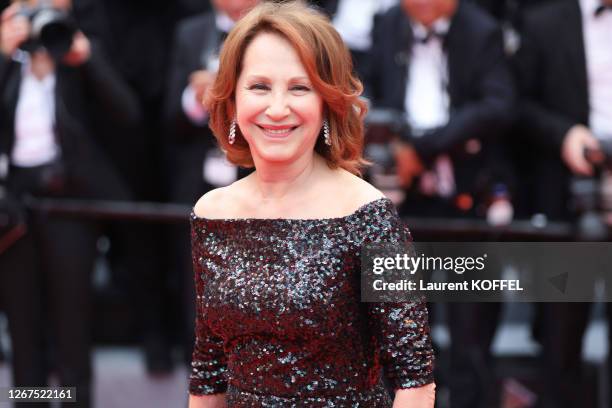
(551,69)
(480,85)
(191,38)
(551,72)
(84,97)
(189,142)
(329,7)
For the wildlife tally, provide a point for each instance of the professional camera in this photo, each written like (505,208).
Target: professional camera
(51,28)
(383,126)
(592,196)
(386,126)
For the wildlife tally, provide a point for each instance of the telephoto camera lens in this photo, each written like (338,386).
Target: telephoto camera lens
(51,28)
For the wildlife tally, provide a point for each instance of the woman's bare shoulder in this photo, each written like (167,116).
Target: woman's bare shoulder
(210,204)
(357,192)
(218,203)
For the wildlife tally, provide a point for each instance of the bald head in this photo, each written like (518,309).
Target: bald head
(428,11)
(234,8)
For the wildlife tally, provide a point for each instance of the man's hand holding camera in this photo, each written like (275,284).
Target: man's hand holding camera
(408,163)
(14,29)
(201,82)
(79,52)
(580,150)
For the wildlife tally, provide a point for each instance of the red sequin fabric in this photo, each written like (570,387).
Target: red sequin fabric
(279,318)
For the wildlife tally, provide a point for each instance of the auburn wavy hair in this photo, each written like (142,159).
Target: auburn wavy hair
(330,69)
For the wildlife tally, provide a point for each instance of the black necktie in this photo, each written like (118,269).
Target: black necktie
(601,8)
(424,39)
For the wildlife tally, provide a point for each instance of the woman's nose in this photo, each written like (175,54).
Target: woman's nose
(278,107)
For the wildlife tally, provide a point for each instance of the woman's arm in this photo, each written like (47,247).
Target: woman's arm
(402,329)
(419,397)
(207,381)
(207,401)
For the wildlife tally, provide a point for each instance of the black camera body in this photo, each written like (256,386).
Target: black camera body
(606,149)
(51,28)
(382,127)
(591,197)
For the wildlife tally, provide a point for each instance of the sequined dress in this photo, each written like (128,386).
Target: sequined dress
(279,322)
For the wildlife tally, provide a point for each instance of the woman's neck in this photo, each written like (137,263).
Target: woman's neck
(276,181)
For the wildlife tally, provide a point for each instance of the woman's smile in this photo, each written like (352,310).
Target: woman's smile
(276,131)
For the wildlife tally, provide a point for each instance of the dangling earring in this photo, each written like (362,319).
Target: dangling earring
(326,132)
(232,132)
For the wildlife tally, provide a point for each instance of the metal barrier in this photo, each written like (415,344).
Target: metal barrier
(519,230)
(143,211)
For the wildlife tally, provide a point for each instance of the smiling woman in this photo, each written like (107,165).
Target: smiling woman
(321,68)
(277,109)
(276,254)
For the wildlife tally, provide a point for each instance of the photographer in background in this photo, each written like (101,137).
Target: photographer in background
(442,62)
(564,67)
(197,165)
(54,84)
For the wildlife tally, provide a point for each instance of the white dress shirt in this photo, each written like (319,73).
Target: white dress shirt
(354,20)
(427,102)
(35,142)
(597,31)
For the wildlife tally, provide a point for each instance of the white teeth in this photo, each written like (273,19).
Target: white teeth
(278,131)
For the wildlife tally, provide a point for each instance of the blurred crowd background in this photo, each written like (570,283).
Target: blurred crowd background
(494,113)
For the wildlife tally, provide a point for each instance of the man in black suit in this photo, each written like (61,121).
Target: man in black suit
(506,9)
(464,67)
(442,63)
(552,73)
(49,107)
(138,36)
(564,67)
(196,164)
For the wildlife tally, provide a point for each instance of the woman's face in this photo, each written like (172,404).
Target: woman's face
(278,110)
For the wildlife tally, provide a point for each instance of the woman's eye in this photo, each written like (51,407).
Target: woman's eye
(300,88)
(259,87)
